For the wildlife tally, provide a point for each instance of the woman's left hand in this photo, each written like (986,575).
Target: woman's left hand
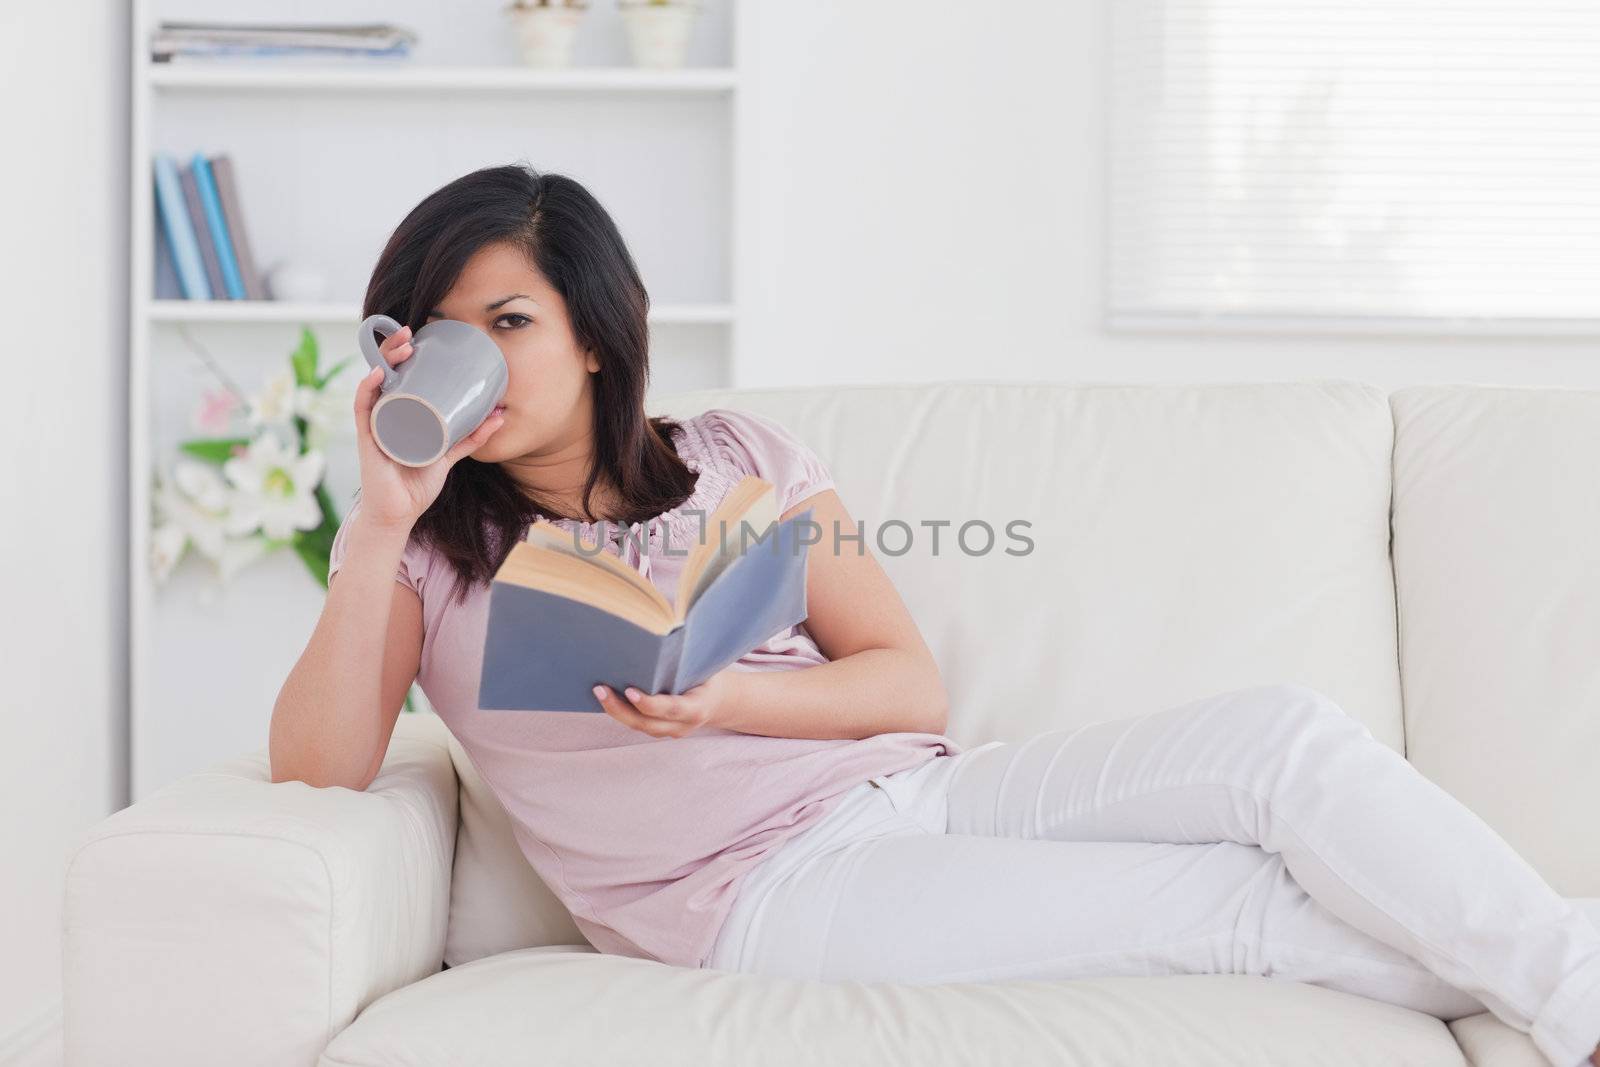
(665,715)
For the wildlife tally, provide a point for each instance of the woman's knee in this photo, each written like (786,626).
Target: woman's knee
(1292,705)
(1314,702)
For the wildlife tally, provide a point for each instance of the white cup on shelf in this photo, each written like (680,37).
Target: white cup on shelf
(545,33)
(658,33)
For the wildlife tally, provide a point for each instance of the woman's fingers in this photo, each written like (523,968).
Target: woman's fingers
(663,707)
(397,346)
(471,443)
(684,712)
(366,398)
(625,713)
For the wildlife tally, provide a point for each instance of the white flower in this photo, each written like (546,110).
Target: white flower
(275,403)
(167,543)
(238,553)
(274,489)
(191,506)
(202,483)
(322,411)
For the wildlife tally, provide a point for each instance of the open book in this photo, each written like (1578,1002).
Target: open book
(565,616)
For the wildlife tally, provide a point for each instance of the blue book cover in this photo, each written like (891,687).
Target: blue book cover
(202,231)
(207,184)
(164,277)
(545,648)
(180,233)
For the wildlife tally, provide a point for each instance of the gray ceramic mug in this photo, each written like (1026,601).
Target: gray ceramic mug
(443,391)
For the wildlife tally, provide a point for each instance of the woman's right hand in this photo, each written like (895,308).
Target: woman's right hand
(392,493)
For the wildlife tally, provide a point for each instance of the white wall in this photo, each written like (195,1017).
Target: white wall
(928,203)
(63,66)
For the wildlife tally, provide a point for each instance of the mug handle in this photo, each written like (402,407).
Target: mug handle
(369,348)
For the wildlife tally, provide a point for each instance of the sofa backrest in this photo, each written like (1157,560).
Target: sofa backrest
(1497,557)
(1185,540)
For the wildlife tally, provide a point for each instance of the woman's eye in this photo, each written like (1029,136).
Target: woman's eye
(521,320)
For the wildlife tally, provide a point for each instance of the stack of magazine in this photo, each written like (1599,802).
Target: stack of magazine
(202,250)
(278,40)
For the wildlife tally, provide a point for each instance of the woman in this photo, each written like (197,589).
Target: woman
(801,812)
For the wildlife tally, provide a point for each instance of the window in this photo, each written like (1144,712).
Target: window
(1409,162)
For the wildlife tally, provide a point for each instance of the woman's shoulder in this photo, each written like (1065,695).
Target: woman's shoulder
(415,562)
(744,442)
(741,439)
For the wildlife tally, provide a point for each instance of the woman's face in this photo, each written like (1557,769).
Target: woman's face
(549,397)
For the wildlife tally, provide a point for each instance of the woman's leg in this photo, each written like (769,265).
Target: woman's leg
(921,908)
(1365,834)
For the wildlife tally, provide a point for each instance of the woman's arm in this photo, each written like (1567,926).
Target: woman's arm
(881,677)
(337,709)
(334,716)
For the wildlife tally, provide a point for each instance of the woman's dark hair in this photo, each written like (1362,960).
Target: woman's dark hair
(481,512)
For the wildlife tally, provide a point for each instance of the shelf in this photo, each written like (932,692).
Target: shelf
(421,78)
(272,311)
(621,123)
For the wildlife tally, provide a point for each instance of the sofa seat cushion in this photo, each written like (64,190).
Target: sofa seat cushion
(1488,1042)
(571,1005)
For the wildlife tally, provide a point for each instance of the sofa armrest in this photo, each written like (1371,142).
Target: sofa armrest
(229,919)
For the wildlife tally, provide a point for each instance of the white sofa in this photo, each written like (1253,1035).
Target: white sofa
(1189,539)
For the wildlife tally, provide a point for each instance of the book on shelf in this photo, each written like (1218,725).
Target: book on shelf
(182,241)
(165,284)
(565,617)
(201,229)
(218,226)
(263,56)
(228,190)
(244,40)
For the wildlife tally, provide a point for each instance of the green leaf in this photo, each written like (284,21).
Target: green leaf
(216,449)
(304,358)
(316,563)
(313,546)
(337,367)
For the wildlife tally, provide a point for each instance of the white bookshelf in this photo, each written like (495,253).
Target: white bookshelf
(328,160)
(408,77)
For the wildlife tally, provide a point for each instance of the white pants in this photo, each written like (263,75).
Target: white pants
(1262,831)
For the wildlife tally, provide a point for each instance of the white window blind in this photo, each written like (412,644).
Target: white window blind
(1410,161)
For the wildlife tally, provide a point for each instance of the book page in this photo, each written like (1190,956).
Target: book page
(760,593)
(753,500)
(601,580)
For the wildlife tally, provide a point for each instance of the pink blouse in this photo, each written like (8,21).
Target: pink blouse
(645,840)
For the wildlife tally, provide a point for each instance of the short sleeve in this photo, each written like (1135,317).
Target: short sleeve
(756,444)
(413,562)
